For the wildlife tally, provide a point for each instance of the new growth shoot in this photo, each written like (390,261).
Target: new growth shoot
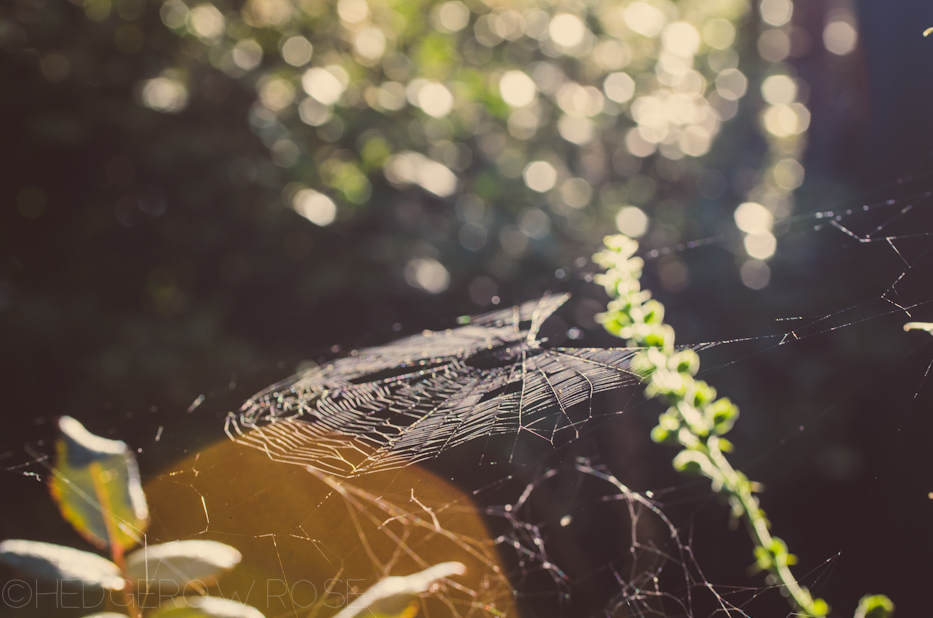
(696,420)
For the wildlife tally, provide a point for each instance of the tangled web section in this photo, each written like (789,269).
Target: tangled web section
(410,400)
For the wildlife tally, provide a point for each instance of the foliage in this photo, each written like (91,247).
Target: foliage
(695,419)
(198,261)
(155,204)
(96,485)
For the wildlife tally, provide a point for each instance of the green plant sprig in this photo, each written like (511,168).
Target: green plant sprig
(695,419)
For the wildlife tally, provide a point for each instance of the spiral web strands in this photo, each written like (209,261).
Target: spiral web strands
(410,400)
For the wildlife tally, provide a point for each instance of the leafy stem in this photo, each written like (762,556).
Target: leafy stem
(116,547)
(695,419)
(97,486)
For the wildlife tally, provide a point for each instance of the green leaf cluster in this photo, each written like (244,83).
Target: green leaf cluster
(96,485)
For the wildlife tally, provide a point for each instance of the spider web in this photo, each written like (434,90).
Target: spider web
(408,401)
(570,530)
(312,542)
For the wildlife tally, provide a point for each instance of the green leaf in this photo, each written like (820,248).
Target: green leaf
(763,559)
(654,314)
(96,485)
(722,413)
(702,394)
(392,597)
(666,430)
(205,607)
(820,607)
(661,435)
(778,547)
(180,562)
(642,365)
(694,419)
(690,462)
(660,336)
(874,606)
(686,362)
(50,561)
(724,445)
(667,384)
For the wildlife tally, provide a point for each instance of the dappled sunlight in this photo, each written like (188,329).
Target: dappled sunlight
(609,92)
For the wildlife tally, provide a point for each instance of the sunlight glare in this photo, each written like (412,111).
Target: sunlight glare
(840,37)
(370,43)
(206,22)
(353,11)
(776,12)
(427,274)
(753,218)
(632,221)
(779,90)
(517,89)
(567,30)
(761,245)
(755,274)
(454,15)
(322,85)
(164,94)
(644,19)
(411,167)
(247,54)
(731,84)
(435,99)
(619,87)
(540,176)
(296,51)
(315,207)
(681,38)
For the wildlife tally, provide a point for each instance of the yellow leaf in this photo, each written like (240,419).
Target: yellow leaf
(96,485)
(927,31)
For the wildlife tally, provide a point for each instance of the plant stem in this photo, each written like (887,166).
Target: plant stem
(758,529)
(695,419)
(116,548)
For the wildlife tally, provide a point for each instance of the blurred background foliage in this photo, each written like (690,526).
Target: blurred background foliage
(199,197)
(198,189)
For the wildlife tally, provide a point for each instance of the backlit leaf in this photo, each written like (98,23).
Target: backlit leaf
(874,606)
(205,607)
(55,562)
(96,485)
(180,562)
(392,597)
